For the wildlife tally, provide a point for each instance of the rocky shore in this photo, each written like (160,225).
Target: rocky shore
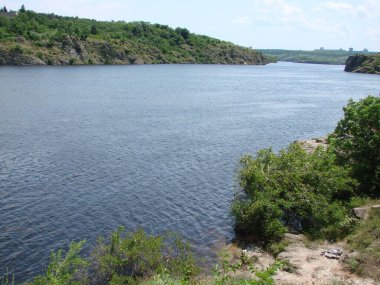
(319,263)
(363,64)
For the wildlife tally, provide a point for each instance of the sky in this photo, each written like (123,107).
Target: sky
(271,24)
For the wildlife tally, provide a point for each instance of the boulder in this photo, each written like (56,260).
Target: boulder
(363,212)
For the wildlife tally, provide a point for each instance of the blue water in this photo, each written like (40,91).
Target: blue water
(86,149)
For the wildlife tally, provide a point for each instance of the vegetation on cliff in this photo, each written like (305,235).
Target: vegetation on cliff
(321,56)
(35,38)
(362,63)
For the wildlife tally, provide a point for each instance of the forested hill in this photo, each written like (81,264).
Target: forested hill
(37,39)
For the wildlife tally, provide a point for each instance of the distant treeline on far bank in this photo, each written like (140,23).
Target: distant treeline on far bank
(321,55)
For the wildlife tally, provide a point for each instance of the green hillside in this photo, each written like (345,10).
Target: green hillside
(320,56)
(34,38)
(363,64)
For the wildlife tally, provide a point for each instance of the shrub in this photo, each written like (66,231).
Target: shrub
(356,141)
(64,269)
(365,240)
(293,191)
(124,258)
(136,255)
(17,49)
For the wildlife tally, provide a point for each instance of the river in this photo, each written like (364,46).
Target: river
(84,149)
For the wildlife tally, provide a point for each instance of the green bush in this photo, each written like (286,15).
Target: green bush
(124,258)
(136,255)
(293,191)
(356,141)
(68,269)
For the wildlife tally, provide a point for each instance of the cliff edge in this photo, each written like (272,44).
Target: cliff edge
(361,63)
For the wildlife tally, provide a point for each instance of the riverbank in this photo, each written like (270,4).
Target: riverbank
(307,262)
(31,38)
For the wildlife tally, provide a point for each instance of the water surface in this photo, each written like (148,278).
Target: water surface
(86,149)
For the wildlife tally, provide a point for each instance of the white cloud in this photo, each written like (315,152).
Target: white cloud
(339,6)
(371,8)
(283,14)
(373,32)
(241,20)
(281,7)
(275,12)
(368,8)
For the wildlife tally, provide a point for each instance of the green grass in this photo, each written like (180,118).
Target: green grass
(365,240)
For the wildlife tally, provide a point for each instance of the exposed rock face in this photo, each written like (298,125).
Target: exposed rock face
(355,61)
(17,58)
(312,144)
(361,63)
(71,50)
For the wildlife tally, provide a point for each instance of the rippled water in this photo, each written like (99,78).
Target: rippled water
(86,149)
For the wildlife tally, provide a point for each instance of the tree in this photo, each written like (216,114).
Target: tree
(22,10)
(356,141)
(94,30)
(183,32)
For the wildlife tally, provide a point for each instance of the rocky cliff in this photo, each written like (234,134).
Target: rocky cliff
(36,39)
(363,64)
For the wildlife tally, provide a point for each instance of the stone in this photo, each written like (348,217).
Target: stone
(361,212)
(293,237)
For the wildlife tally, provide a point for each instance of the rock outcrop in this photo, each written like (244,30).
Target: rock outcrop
(361,63)
(311,145)
(363,212)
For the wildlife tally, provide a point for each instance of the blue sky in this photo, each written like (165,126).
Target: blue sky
(288,24)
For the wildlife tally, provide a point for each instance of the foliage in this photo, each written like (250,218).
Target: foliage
(64,269)
(125,258)
(356,141)
(314,56)
(116,42)
(365,240)
(136,255)
(225,271)
(293,191)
